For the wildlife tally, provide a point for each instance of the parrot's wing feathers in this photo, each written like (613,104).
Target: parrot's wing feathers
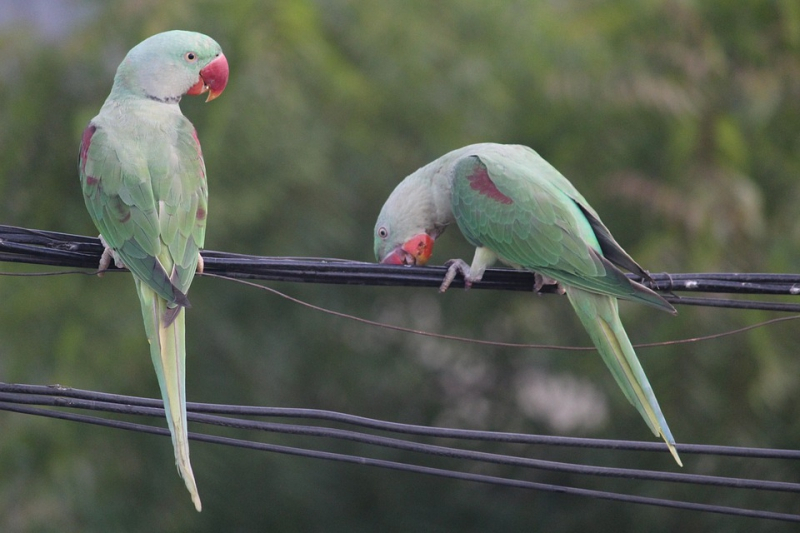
(610,247)
(122,206)
(519,209)
(183,205)
(640,293)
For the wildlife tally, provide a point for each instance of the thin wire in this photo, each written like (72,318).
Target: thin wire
(444,336)
(448,452)
(493,343)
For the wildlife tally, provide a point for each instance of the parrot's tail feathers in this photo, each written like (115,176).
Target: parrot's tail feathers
(674,452)
(185,471)
(599,315)
(172,355)
(166,333)
(637,387)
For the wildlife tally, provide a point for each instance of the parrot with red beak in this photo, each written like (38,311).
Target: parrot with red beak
(513,205)
(144,184)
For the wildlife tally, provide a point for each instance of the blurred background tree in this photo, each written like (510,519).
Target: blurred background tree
(678,120)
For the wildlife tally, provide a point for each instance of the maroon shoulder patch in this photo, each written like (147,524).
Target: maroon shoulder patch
(480,181)
(197,143)
(86,140)
(199,153)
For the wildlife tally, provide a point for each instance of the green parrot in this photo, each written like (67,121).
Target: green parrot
(514,206)
(144,184)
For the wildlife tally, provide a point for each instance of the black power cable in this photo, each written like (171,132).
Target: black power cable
(21,245)
(16,398)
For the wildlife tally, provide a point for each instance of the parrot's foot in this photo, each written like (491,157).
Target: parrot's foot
(653,284)
(455,267)
(540,281)
(108,255)
(200,264)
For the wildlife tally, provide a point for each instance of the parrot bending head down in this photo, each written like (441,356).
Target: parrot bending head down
(144,184)
(514,206)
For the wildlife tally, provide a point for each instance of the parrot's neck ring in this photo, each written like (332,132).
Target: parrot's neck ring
(165,100)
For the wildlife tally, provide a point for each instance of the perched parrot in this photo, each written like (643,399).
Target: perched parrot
(514,206)
(144,184)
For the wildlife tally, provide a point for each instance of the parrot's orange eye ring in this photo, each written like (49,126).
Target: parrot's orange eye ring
(191,57)
(383,232)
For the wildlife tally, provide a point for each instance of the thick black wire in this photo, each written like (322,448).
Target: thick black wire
(21,245)
(411,467)
(133,406)
(393,465)
(62,397)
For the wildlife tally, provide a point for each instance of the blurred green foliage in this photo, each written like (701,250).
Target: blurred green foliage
(679,121)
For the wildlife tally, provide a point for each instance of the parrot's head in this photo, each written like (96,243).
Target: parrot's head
(168,65)
(406,227)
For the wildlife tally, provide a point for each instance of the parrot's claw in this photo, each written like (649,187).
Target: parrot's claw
(540,281)
(455,267)
(200,264)
(653,284)
(105,259)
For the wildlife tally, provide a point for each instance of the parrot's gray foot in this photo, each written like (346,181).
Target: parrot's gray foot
(200,263)
(652,284)
(455,267)
(540,281)
(108,255)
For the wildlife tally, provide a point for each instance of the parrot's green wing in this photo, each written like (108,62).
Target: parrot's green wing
(520,207)
(153,220)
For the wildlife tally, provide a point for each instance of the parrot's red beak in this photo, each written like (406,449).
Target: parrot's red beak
(415,251)
(213,78)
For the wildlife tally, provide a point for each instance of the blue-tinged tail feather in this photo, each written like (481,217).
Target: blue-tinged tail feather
(599,315)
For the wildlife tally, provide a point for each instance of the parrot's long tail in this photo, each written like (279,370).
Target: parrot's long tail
(600,317)
(168,351)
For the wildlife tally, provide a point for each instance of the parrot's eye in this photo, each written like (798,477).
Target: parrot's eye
(383,232)
(191,57)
